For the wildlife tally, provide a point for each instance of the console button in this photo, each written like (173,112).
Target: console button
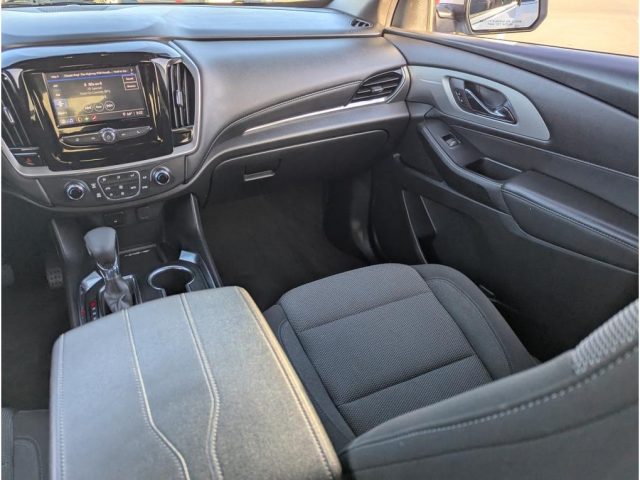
(161,175)
(73,139)
(127,133)
(120,185)
(28,159)
(108,135)
(114,219)
(75,190)
(83,139)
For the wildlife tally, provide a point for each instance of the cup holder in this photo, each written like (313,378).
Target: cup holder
(171,280)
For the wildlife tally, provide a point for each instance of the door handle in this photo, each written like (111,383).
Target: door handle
(481,100)
(502,112)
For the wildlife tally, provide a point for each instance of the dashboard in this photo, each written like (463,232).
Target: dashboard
(219,100)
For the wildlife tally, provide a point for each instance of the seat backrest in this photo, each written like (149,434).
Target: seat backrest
(575,416)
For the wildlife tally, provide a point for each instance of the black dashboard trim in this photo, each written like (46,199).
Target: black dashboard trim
(245,80)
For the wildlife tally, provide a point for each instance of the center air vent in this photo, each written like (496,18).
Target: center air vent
(182,89)
(382,85)
(13,130)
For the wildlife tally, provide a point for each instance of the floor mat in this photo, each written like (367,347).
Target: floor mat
(272,243)
(33,315)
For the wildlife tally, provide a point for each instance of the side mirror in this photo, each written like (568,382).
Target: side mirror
(487,16)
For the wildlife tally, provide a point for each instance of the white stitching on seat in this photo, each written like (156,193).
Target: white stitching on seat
(214,414)
(146,409)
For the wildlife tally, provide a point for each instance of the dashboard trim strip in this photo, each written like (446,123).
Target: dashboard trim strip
(405,75)
(313,114)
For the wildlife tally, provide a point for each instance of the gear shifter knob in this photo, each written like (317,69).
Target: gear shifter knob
(102,244)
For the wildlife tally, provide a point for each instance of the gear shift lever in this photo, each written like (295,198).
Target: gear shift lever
(102,245)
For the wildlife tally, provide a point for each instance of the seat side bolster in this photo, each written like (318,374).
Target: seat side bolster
(337,428)
(524,423)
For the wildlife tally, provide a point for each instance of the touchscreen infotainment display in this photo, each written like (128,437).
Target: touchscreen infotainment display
(88,96)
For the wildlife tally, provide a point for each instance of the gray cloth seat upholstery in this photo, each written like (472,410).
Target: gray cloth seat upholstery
(381,341)
(416,376)
(25,444)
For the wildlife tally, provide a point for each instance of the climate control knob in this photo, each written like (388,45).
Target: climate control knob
(75,190)
(108,135)
(161,175)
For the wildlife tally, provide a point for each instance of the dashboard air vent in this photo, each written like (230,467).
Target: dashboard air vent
(379,86)
(13,129)
(357,23)
(182,88)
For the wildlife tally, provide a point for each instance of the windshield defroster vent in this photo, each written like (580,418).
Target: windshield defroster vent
(382,85)
(358,23)
(182,90)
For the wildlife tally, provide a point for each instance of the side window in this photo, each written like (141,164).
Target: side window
(595,25)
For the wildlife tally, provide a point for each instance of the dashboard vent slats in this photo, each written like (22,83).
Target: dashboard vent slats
(13,131)
(182,91)
(379,86)
(358,23)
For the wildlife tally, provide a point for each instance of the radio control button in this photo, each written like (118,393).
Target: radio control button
(108,135)
(127,133)
(161,175)
(82,139)
(73,139)
(75,190)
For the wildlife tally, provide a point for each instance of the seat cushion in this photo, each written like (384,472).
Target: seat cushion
(377,342)
(25,444)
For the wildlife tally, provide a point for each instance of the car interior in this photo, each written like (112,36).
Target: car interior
(306,241)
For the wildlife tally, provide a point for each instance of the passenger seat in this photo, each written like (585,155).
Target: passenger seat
(415,374)
(25,444)
(380,341)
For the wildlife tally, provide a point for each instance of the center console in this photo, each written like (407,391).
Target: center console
(150,253)
(190,386)
(97,128)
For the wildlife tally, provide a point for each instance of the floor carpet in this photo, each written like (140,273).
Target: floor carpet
(33,315)
(272,243)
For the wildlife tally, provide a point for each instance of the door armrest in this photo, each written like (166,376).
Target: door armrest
(571,218)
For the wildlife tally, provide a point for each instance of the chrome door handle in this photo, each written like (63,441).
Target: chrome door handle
(502,112)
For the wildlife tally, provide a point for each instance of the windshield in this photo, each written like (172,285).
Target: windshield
(288,3)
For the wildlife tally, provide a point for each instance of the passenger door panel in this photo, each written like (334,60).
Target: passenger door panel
(542,211)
